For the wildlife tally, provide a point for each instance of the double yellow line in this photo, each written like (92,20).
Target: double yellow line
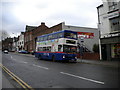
(16,78)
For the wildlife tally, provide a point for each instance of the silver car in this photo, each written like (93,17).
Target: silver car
(6,51)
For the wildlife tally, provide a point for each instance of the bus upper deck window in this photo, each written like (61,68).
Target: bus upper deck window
(49,37)
(45,38)
(41,39)
(70,35)
(38,39)
(60,35)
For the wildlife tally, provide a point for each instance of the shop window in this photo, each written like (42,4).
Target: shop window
(115,51)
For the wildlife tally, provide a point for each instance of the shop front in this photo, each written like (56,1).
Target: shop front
(110,48)
(115,50)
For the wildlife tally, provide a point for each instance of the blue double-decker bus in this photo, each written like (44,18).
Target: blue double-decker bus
(61,45)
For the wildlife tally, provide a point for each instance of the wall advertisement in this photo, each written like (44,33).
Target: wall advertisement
(86,35)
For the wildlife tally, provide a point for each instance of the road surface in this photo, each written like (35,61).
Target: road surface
(48,74)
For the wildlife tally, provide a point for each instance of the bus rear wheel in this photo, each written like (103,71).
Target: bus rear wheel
(39,57)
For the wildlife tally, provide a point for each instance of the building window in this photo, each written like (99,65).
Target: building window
(115,24)
(112,6)
(25,39)
(30,46)
(30,37)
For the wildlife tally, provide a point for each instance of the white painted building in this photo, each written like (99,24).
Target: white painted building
(20,43)
(14,45)
(109,27)
(90,35)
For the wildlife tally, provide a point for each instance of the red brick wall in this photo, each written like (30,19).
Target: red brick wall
(28,44)
(54,28)
(90,56)
(40,30)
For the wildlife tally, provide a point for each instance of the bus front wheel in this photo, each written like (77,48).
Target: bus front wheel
(53,58)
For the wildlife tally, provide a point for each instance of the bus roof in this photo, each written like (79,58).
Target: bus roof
(58,32)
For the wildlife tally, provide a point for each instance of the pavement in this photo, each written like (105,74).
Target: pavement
(115,64)
(5,82)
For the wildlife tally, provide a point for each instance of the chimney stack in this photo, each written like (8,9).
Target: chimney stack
(42,23)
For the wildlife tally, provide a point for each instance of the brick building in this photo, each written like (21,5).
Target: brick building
(15,44)
(7,44)
(28,38)
(40,30)
(31,33)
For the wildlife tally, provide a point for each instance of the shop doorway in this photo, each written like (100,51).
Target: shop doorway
(104,51)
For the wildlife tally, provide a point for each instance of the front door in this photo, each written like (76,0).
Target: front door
(104,51)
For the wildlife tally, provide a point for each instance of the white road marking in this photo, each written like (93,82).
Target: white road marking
(11,57)
(24,62)
(41,67)
(95,81)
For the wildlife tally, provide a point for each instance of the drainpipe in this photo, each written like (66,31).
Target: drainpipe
(100,52)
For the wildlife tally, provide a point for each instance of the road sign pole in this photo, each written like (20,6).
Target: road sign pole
(81,48)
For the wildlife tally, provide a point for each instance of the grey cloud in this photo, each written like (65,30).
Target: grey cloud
(78,14)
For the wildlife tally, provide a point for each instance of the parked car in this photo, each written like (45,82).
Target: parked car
(32,52)
(5,51)
(23,51)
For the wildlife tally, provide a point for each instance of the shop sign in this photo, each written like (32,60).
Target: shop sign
(85,35)
(111,15)
(110,35)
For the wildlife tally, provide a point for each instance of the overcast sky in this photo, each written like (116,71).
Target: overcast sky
(16,14)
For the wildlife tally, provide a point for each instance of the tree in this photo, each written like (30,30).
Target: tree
(3,34)
(96,48)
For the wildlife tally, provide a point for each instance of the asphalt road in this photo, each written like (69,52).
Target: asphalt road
(48,74)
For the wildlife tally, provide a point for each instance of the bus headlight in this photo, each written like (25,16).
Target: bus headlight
(75,57)
(63,56)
